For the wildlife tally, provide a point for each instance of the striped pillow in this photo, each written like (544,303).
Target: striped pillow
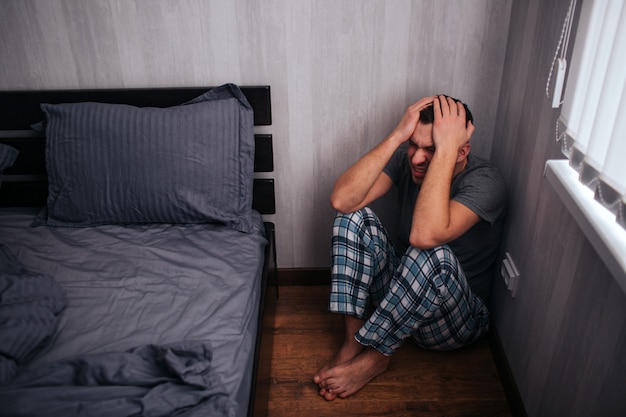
(120,164)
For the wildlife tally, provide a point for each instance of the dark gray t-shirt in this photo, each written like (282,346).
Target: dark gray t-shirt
(480,187)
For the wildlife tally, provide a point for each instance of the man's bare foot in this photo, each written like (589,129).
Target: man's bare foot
(348,351)
(346,379)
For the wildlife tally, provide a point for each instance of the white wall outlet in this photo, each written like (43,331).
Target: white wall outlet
(510,274)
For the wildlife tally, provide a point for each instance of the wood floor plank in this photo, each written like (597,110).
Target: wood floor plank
(418,382)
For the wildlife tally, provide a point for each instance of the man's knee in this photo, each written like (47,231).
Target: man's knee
(430,264)
(438,253)
(356,217)
(353,222)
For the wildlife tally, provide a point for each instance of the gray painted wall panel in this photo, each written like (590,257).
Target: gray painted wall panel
(564,333)
(342,73)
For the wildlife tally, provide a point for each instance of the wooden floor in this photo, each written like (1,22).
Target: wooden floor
(418,382)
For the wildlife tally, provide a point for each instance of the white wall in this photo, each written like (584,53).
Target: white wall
(341,73)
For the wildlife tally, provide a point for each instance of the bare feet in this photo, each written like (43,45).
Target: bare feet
(349,350)
(346,379)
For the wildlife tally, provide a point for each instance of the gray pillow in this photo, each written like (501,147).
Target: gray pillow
(8,154)
(121,164)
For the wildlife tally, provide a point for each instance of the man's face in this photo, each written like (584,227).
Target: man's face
(420,152)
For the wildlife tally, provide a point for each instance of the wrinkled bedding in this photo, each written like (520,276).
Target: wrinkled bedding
(158,381)
(131,287)
(30,304)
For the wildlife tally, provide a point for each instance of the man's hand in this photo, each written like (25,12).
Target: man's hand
(450,130)
(411,117)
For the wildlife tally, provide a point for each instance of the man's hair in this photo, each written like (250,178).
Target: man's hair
(427,115)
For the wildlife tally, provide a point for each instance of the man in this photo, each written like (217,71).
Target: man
(432,284)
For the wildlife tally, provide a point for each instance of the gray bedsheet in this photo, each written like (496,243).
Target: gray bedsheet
(151,380)
(128,287)
(30,306)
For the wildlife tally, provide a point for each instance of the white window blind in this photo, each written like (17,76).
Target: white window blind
(593,114)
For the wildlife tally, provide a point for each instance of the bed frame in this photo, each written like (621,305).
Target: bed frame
(25,184)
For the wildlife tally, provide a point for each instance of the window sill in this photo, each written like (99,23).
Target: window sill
(606,236)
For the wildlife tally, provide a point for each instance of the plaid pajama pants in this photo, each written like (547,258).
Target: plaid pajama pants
(423,295)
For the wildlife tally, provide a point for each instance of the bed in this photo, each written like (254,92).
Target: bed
(137,272)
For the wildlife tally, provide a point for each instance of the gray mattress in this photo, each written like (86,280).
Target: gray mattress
(149,284)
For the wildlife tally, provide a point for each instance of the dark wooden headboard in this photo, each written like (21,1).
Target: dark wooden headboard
(25,184)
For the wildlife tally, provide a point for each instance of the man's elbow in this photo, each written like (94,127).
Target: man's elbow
(340,205)
(423,241)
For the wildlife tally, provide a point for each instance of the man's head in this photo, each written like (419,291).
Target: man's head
(421,146)
(427,115)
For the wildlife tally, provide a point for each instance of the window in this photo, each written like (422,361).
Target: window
(592,124)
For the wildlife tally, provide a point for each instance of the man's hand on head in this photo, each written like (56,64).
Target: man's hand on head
(450,129)
(411,117)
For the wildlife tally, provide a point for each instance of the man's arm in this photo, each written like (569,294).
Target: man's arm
(437,219)
(365,181)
